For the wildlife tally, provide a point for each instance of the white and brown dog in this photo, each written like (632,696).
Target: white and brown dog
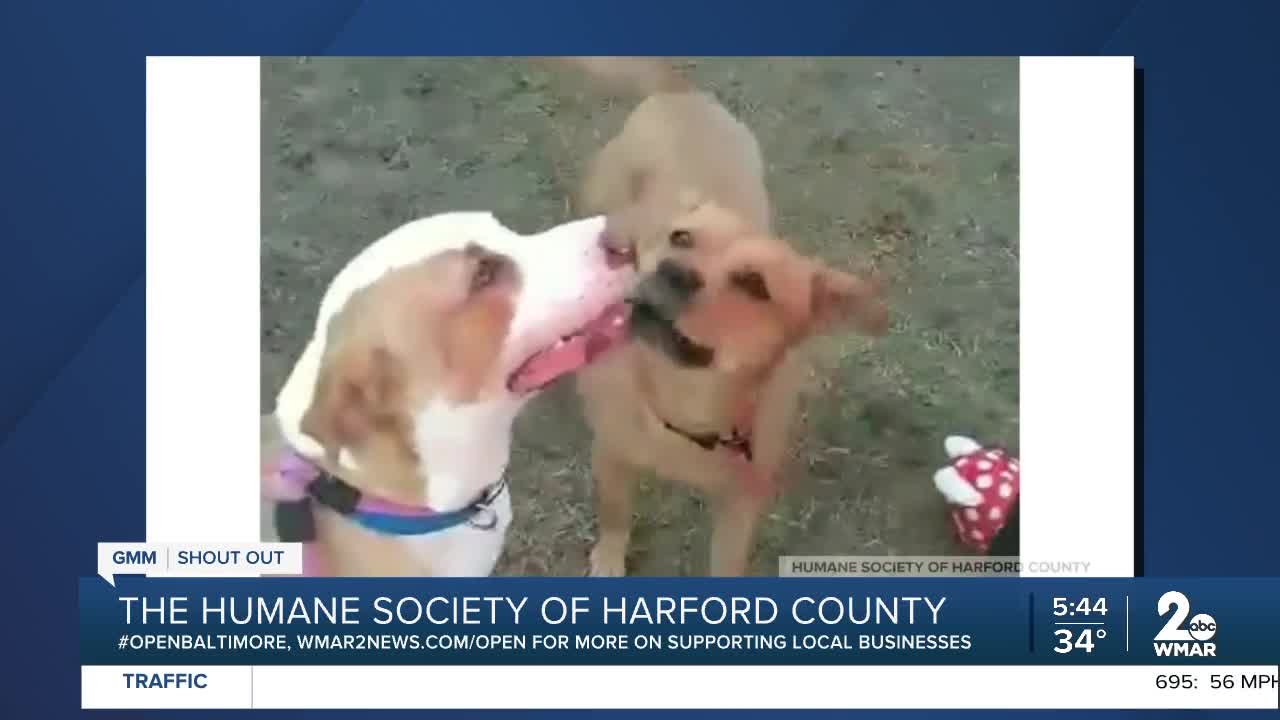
(396,421)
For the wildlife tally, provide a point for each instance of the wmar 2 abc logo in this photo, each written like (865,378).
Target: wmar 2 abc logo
(1174,640)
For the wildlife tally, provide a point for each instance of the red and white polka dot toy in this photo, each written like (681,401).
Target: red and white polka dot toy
(981,484)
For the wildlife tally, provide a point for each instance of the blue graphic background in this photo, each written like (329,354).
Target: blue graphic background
(72,136)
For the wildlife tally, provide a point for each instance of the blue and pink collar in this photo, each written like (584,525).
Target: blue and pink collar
(297,484)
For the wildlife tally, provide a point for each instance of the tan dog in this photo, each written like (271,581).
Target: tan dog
(707,393)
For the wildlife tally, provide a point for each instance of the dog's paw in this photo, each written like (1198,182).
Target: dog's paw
(607,560)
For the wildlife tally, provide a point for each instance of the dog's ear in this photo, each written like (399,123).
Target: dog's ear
(837,298)
(357,392)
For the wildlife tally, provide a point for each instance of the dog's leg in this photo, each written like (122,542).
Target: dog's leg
(733,530)
(614,478)
(737,513)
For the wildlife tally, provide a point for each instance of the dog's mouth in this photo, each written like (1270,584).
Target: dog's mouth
(650,325)
(572,352)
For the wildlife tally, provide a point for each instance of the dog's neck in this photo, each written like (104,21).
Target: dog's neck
(700,401)
(456,452)
(464,448)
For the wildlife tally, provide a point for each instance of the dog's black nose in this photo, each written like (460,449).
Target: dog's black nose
(684,281)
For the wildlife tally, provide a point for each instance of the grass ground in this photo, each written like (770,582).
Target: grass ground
(908,165)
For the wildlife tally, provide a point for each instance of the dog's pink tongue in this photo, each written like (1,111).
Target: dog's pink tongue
(601,334)
(550,364)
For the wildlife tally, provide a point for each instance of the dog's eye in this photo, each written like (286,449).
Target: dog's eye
(486,272)
(682,239)
(750,282)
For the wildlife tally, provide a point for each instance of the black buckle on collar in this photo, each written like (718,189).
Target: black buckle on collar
(334,494)
(295,522)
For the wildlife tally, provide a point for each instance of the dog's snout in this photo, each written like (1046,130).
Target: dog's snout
(618,253)
(683,280)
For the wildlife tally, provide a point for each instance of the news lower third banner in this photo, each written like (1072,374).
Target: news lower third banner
(651,621)
(198,631)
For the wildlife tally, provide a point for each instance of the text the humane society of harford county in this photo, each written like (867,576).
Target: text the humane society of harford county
(486,623)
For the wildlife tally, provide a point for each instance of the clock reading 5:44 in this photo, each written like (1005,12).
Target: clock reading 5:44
(1083,606)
